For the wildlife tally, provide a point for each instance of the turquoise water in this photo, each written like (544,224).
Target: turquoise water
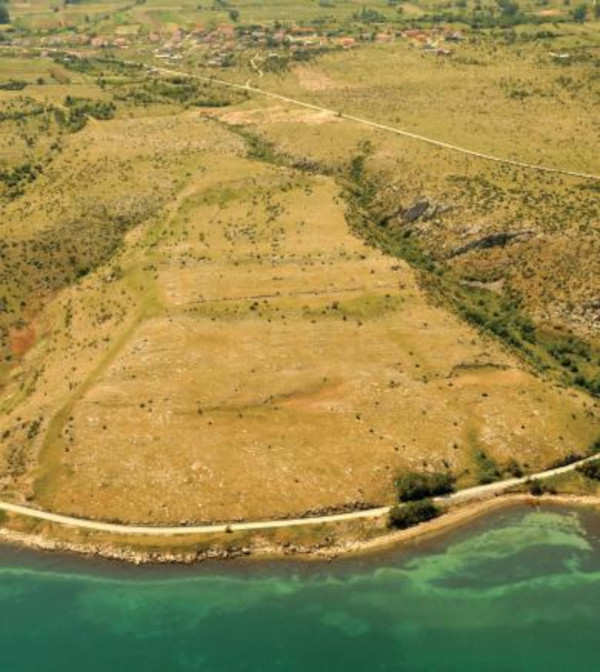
(518,590)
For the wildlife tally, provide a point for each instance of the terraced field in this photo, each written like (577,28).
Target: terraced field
(244,355)
(220,306)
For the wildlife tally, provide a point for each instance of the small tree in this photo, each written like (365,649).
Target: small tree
(4,14)
(413,485)
(413,513)
(357,167)
(514,468)
(508,8)
(580,13)
(590,470)
(536,488)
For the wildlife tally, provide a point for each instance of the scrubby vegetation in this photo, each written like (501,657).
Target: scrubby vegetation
(4,14)
(177,90)
(13,85)
(164,239)
(79,109)
(567,459)
(414,486)
(538,488)
(17,178)
(488,470)
(412,513)
(590,470)
(388,226)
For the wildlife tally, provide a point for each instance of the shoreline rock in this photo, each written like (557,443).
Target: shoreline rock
(323,552)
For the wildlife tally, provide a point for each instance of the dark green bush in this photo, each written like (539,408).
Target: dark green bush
(590,470)
(13,85)
(569,458)
(413,513)
(413,485)
(488,469)
(536,488)
(513,468)
(94,108)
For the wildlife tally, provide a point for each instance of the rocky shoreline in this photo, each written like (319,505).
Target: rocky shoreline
(259,548)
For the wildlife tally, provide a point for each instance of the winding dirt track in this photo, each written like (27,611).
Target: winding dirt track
(477,492)
(372,124)
(300,103)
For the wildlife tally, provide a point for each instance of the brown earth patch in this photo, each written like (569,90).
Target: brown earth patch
(279,114)
(22,340)
(312,79)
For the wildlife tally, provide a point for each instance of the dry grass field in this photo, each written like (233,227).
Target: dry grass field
(217,307)
(475,101)
(245,356)
(529,240)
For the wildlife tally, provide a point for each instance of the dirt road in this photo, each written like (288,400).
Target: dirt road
(372,124)
(474,493)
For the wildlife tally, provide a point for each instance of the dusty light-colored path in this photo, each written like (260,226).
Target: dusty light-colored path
(349,117)
(372,124)
(474,493)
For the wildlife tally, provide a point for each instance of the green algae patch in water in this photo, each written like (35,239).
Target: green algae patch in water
(520,591)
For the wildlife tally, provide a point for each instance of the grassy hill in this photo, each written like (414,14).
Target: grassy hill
(215,306)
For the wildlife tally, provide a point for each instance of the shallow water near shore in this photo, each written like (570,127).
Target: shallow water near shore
(517,590)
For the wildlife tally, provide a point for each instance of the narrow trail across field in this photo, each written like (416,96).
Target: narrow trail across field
(474,493)
(359,120)
(372,124)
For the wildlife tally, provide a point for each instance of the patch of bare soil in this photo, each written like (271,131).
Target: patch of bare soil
(22,340)
(278,114)
(312,79)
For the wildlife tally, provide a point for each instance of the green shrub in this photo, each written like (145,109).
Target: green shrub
(580,13)
(414,485)
(93,108)
(13,85)
(569,458)
(590,470)
(16,179)
(538,488)
(413,513)
(513,468)
(488,469)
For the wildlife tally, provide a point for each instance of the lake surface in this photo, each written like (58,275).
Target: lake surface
(516,590)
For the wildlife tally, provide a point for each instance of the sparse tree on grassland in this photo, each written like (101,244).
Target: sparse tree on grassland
(4,14)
